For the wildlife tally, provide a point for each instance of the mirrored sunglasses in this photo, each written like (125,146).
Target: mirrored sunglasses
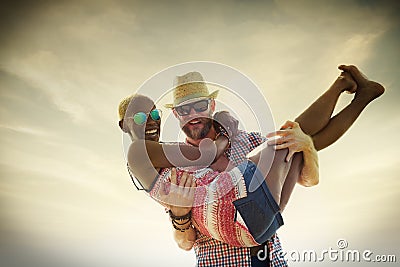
(141,117)
(199,106)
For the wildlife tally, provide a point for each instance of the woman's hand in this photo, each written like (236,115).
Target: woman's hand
(227,121)
(226,127)
(179,197)
(292,137)
(222,164)
(221,143)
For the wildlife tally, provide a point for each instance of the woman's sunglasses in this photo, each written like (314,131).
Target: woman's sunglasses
(199,106)
(141,117)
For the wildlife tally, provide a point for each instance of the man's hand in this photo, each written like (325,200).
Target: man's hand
(179,196)
(292,137)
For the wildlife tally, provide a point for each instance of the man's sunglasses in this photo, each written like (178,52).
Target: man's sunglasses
(141,117)
(199,106)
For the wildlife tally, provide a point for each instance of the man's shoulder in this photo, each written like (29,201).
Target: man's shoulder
(250,135)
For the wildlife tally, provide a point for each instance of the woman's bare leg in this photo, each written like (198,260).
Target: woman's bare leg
(366,92)
(317,116)
(274,168)
(291,180)
(281,176)
(282,180)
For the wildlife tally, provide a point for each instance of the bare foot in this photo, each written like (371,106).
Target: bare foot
(347,82)
(366,90)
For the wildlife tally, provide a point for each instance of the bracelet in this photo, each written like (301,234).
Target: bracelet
(181,229)
(224,133)
(182,223)
(180,218)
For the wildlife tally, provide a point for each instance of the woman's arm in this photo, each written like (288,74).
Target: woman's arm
(293,138)
(164,155)
(145,158)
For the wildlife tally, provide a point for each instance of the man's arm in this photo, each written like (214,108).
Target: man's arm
(310,172)
(185,239)
(179,199)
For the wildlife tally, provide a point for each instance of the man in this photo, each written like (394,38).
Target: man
(193,106)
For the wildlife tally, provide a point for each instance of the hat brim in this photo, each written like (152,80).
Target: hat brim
(213,95)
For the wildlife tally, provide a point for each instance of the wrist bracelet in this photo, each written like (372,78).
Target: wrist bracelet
(224,133)
(180,223)
(180,218)
(181,229)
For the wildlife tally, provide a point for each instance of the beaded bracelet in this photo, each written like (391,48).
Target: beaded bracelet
(223,132)
(180,218)
(182,221)
(181,229)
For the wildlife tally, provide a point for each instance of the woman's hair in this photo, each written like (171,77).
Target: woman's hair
(129,102)
(123,106)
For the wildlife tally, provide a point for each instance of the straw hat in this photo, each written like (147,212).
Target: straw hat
(190,87)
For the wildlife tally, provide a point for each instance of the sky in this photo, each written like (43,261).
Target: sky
(65,195)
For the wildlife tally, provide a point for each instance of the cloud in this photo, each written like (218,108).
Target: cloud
(65,65)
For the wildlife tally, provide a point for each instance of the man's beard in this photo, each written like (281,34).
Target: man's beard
(197,134)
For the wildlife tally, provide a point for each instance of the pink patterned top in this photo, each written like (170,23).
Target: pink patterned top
(222,237)
(213,212)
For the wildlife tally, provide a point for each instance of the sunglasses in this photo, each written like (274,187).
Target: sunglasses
(199,106)
(141,117)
